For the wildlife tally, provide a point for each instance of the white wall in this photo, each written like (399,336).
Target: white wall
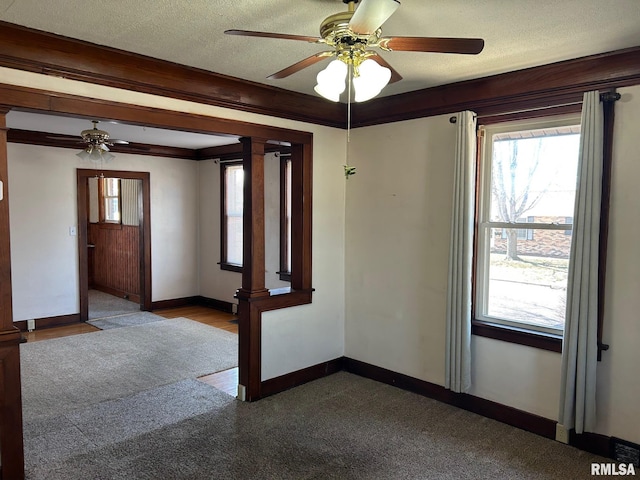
(398,208)
(398,216)
(44,257)
(292,338)
(618,383)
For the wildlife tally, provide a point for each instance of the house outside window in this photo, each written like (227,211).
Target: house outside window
(526,195)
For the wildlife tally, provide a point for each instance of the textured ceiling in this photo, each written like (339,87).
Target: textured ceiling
(517,33)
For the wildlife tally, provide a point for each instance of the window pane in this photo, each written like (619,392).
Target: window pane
(533,176)
(533,288)
(529,178)
(234,240)
(287,266)
(112,209)
(234,191)
(111,187)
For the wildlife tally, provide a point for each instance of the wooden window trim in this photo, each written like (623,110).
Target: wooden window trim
(224,265)
(523,336)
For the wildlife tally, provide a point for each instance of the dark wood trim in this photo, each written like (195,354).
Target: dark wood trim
(573,108)
(216,304)
(41,52)
(145,236)
(11,433)
(220,305)
(57,140)
(537,87)
(50,322)
(521,336)
(592,442)
(300,377)
(509,415)
(229,267)
(174,303)
(42,101)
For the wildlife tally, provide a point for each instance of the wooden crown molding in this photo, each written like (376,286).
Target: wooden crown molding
(221,152)
(42,52)
(537,87)
(532,88)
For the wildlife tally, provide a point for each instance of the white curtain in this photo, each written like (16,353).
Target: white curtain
(129,192)
(458,346)
(580,344)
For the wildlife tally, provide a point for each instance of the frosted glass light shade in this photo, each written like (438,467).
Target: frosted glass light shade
(95,154)
(372,79)
(331,80)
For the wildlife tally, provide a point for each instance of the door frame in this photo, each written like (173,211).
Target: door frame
(144,254)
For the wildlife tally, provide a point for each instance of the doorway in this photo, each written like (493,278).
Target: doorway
(114,243)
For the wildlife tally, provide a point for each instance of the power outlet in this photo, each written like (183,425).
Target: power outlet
(562,434)
(31,325)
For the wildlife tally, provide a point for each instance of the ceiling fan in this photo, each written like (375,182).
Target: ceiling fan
(353,34)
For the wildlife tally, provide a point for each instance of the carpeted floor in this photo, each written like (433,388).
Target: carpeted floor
(66,373)
(104,305)
(341,427)
(128,320)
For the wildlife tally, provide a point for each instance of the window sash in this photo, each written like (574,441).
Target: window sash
(232,197)
(485,225)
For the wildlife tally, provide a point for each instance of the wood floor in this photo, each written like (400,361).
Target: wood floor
(227,380)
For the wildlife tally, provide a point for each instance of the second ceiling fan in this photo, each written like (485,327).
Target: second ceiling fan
(352,35)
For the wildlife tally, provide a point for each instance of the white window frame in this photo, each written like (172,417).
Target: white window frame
(484,223)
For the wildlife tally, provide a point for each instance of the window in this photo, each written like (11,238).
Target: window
(109,206)
(526,198)
(232,181)
(285,219)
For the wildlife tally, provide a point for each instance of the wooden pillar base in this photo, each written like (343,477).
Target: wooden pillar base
(11,437)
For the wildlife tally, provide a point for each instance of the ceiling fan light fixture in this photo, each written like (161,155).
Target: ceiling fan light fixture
(370,81)
(95,154)
(331,80)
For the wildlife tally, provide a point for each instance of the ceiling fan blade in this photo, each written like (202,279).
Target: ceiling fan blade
(395,76)
(119,142)
(296,67)
(470,46)
(371,14)
(283,36)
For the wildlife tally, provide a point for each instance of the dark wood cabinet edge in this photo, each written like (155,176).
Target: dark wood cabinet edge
(529,338)
(49,322)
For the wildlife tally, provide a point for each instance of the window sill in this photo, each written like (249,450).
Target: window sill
(521,336)
(230,267)
(284,276)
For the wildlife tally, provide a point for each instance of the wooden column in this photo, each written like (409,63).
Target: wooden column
(253,265)
(11,442)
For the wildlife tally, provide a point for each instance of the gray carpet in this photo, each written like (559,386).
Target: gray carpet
(130,320)
(104,305)
(73,372)
(341,427)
